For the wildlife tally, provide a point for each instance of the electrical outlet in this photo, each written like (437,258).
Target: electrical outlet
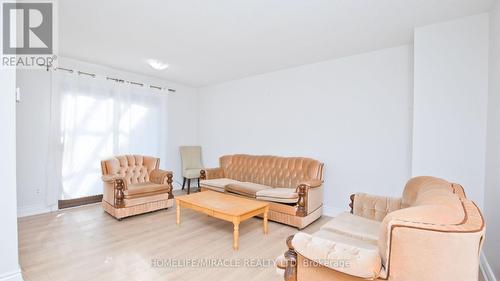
(18,95)
(38,191)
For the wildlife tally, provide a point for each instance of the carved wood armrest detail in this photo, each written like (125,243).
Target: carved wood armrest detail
(351,204)
(302,203)
(203,175)
(169,182)
(291,261)
(119,186)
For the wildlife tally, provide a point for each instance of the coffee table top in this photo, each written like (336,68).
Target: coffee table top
(224,203)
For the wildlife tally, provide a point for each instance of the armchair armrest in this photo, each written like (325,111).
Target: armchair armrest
(213,173)
(159,176)
(112,178)
(302,191)
(372,206)
(119,185)
(162,177)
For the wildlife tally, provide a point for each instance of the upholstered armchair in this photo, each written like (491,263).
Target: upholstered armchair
(134,184)
(432,233)
(191,165)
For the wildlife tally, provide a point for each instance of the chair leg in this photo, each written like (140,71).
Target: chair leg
(198,184)
(189,185)
(183,183)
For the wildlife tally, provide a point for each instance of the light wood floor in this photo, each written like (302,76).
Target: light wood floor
(85,243)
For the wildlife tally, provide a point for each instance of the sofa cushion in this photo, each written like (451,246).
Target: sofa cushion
(339,252)
(249,189)
(355,226)
(145,188)
(280,195)
(217,184)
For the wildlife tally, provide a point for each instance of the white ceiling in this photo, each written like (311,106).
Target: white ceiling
(207,42)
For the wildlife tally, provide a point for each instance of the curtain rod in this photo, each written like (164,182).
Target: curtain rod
(118,80)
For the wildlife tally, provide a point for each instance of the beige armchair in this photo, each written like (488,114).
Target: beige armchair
(134,184)
(191,165)
(432,233)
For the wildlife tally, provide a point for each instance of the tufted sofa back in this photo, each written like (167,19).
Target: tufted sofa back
(135,168)
(273,171)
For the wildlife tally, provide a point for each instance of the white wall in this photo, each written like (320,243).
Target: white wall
(9,262)
(492,192)
(354,114)
(33,116)
(450,102)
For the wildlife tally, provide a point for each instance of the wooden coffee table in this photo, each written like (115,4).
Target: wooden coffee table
(226,207)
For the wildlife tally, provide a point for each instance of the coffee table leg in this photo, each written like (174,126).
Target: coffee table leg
(265,220)
(236,234)
(178,208)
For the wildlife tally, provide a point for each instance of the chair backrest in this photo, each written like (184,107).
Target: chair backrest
(437,223)
(191,157)
(273,171)
(134,168)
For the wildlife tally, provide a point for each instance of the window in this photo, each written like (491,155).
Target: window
(101,118)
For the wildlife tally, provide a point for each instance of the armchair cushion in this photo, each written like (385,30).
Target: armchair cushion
(355,226)
(217,184)
(280,195)
(145,189)
(339,252)
(249,189)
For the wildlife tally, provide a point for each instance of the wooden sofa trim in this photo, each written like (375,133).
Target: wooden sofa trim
(119,185)
(290,261)
(351,204)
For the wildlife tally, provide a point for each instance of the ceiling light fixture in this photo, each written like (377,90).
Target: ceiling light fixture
(158,65)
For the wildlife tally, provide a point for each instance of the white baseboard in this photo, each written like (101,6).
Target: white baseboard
(332,211)
(31,210)
(11,276)
(486,269)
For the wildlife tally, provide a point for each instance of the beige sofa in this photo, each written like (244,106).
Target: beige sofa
(432,233)
(134,184)
(292,185)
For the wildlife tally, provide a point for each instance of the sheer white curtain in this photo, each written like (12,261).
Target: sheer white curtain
(101,118)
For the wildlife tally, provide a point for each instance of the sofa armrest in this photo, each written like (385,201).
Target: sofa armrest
(373,206)
(163,177)
(210,174)
(303,192)
(311,183)
(119,185)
